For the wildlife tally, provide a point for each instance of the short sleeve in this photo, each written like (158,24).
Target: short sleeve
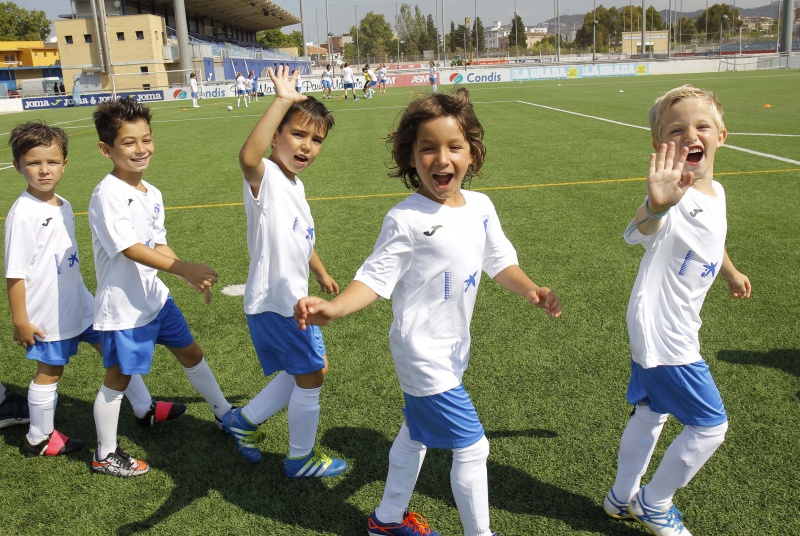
(110,220)
(390,259)
(19,250)
(499,253)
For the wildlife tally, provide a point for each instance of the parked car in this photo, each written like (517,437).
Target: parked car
(13,94)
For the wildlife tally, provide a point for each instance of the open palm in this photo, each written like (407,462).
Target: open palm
(284,81)
(666,182)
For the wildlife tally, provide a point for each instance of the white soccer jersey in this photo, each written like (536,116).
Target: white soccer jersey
(680,263)
(280,239)
(241,84)
(326,75)
(372,77)
(40,247)
(382,73)
(193,83)
(429,259)
(129,294)
(347,75)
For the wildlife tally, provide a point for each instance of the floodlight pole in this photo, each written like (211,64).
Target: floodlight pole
(303,29)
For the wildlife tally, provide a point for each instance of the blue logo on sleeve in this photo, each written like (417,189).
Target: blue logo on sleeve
(310,235)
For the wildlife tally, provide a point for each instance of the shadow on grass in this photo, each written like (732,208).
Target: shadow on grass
(786,360)
(263,489)
(200,461)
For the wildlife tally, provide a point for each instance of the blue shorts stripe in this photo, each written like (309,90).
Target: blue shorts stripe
(686,391)
(444,421)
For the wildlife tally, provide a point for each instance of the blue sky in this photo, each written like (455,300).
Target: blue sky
(342,13)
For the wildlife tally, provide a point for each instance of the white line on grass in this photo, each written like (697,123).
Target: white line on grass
(734,147)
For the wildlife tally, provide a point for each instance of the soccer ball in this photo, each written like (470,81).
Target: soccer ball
(230,108)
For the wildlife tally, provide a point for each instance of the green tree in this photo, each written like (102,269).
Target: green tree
(272,38)
(374,34)
(720,17)
(517,36)
(452,37)
(433,33)
(18,24)
(478,36)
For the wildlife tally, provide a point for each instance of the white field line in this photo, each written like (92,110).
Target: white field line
(734,147)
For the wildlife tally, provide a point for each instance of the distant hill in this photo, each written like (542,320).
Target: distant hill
(763,11)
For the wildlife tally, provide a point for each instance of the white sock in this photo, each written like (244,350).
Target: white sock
(303,421)
(434,88)
(272,398)
(635,450)
(238,103)
(42,407)
(683,458)
(471,487)
(106,418)
(405,461)
(204,382)
(138,395)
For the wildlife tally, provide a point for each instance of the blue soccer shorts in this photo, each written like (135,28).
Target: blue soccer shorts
(58,352)
(444,421)
(281,345)
(686,391)
(132,349)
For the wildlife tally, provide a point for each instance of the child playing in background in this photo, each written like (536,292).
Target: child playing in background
(195,90)
(430,254)
(51,307)
(682,226)
(348,81)
(382,78)
(298,83)
(241,90)
(433,76)
(326,80)
(281,256)
(365,89)
(133,310)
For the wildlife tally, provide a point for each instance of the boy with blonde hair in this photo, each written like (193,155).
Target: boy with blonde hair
(682,225)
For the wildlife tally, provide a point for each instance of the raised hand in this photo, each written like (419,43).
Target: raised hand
(666,181)
(284,82)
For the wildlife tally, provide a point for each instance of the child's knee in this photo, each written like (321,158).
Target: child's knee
(478,451)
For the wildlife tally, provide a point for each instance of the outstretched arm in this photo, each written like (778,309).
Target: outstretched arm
(326,283)
(260,139)
(666,184)
(318,312)
(738,283)
(515,280)
(199,276)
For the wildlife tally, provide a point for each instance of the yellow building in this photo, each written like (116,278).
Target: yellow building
(656,42)
(29,53)
(136,46)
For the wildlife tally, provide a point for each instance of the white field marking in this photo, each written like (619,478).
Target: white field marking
(734,147)
(763,134)
(233,290)
(7,166)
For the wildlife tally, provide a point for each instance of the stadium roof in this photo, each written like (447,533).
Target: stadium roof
(252,15)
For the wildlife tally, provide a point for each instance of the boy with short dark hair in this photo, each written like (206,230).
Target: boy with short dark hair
(280,240)
(133,309)
(682,225)
(50,306)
